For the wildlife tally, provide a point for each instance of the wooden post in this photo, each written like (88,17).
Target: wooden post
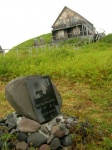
(77,29)
(17,53)
(56,46)
(83,30)
(36,49)
(4,54)
(29,51)
(49,47)
(63,46)
(85,42)
(42,49)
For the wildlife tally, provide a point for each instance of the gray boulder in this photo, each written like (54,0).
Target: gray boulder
(67,140)
(28,125)
(55,144)
(37,139)
(11,119)
(18,96)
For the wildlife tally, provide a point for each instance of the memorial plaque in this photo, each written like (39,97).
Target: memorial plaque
(43,98)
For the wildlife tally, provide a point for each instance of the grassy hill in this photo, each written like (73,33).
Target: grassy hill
(83,75)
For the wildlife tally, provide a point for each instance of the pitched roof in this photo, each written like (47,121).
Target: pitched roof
(72,11)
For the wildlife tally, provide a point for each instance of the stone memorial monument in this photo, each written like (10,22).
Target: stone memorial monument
(43,98)
(34,97)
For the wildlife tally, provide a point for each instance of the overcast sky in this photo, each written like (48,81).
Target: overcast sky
(21,20)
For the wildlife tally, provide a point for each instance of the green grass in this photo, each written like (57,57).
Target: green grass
(85,65)
(83,77)
(107,39)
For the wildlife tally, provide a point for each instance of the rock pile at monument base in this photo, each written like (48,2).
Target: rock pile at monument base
(23,133)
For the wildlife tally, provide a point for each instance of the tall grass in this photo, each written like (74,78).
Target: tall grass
(84,65)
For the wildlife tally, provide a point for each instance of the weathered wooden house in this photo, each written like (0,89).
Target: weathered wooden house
(71,24)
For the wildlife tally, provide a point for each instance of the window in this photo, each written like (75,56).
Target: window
(60,21)
(74,18)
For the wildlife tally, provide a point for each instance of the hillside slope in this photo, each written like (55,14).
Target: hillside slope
(29,43)
(83,76)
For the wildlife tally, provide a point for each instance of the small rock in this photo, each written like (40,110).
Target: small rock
(58,119)
(37,139)
(67,141)
(11,120)
(74,123)
(54,129)
(64,129)
(44,129)
(22,136)
(48,126)
(55,144)
(44,147)
(68,126)
(65,122)
(50,138)
(21,146)
(54,124)
(69,120)
(28,125)
(61,118)
(59,134)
